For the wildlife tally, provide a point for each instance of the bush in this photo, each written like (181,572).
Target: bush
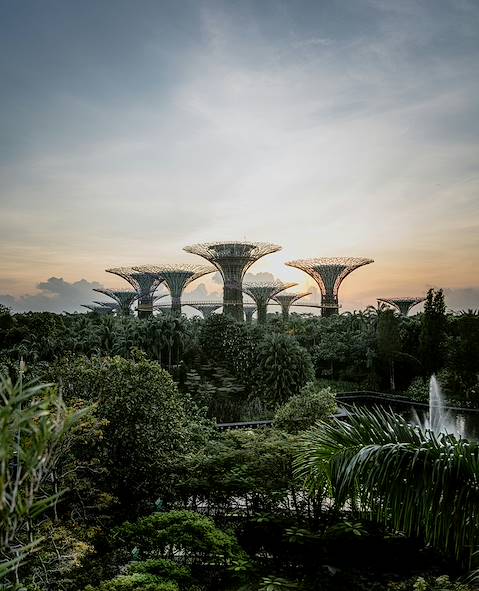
(192,538)
(305,409)
(442,583)
(244,472)
(164,568)
(135,582)
(283,367)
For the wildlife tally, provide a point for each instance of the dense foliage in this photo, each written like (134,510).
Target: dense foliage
(126,483)
(303,410)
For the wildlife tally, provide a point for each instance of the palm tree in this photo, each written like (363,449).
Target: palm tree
(106,334)
(413,480)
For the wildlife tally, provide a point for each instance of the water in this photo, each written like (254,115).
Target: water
(439,419)
(435,416)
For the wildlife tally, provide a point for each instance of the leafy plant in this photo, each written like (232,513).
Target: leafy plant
(135,582)
(413,480)
(163,568)
(347,528)
(277,584)
(303,410)
(181,535)
(442,583)
(33,422)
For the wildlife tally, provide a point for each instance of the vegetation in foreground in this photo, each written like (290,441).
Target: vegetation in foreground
(116,477)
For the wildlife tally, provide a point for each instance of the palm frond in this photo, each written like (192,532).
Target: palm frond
(424,484)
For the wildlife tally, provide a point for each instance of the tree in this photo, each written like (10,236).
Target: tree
(433,332)
(388,342)
(282,368)
(410,479)
(463,355)
(148,419)
(303,410)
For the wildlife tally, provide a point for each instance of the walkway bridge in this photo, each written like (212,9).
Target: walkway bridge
(220,303)
(348,399)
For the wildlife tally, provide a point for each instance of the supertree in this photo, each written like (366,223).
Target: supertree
(97,309)
(206,308)
(262,292)
(286,300)
(329,273)
(145,285)
(249,310)
(110,306)
(123,298)
(233,259)
(176,277)
(403,304)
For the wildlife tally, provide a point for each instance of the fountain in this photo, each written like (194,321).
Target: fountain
(438,420)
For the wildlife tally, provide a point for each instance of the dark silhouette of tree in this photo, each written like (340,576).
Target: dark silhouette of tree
(433,332)
(388,342)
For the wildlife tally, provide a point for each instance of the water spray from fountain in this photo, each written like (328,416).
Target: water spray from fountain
(438,419)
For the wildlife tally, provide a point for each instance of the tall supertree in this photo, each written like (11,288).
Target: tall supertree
(233,259)
(403,304)
(145,285)
(329,273)
(286,300)
(249,310)
(206,308)
(176,277)
(123,298)
(262,292)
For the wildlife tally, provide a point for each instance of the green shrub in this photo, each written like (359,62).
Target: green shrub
(277,584)
(442,583)
(135,582)
(189,537)
(303,410)
(164,568)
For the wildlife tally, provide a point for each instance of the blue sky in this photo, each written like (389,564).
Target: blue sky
(333,128)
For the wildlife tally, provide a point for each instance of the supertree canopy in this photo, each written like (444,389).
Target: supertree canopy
(403,304)
(262,292)
(124,299)
(286,300)
(176,277)
(145,285)
(206,308)
(98,309)
(110,306)
(329,273)
(232,259)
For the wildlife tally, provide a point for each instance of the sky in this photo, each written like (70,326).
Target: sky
(331,127)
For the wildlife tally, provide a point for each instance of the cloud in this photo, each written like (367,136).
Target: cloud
(200,293)
(259,277)
(55,295)
(462,299)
